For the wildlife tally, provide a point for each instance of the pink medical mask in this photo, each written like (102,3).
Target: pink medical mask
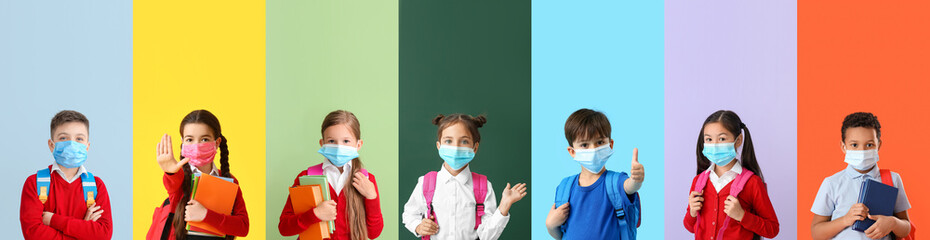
(200,154)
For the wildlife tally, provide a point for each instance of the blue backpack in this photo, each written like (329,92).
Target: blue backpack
(44,186)
(628,213)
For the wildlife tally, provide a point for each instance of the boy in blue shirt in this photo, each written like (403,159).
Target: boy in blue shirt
(596,203)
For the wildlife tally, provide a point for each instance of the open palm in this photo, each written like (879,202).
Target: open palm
(165,156)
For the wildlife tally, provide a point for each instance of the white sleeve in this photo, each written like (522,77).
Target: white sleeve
(415,208)
(493,222)
(901,203)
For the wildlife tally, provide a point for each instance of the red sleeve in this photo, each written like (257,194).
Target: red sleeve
(290,224)
(373,212)
(690,221)
(30,214)
(173,183)
(236,224)
(763,221)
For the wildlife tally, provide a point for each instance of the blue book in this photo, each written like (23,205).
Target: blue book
(879,198)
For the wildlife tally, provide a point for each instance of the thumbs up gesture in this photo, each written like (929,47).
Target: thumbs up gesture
(637,172)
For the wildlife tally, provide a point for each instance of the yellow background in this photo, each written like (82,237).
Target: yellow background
(190,55)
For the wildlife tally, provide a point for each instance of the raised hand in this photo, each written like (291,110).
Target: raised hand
(637,172)
(165,156)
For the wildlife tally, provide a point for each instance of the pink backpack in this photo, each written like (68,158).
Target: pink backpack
(735,188)
(480,188)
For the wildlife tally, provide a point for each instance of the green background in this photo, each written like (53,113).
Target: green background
(323,56)
(469,57)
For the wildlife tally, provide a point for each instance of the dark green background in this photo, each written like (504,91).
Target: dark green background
(469,57)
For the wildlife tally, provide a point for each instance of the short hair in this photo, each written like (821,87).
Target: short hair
(586,123)
(66,116)
(862,119)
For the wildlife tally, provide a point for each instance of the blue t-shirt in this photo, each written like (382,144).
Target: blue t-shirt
(592,214)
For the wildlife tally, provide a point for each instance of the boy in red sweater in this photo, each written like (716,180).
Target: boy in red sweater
(64,200)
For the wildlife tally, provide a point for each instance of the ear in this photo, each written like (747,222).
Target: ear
(51,146)
(880,144)
(218,141)
(321,142)
(611,143)
(739,142)
(571,151)
(842,146)
(360,142)
(437,145)
(476,148)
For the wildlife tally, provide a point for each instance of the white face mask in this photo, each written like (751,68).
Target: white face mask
(862,159)
(594,160)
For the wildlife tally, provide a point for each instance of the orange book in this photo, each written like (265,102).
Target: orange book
(216,194)
(304,198)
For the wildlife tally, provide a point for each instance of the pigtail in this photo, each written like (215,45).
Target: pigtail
(438,119)
(749,154)
(224,157)
(480,120)
(178,223)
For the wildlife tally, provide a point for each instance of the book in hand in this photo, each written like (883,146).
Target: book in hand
(324,184)
(304,198)
(879,198)
(215,193)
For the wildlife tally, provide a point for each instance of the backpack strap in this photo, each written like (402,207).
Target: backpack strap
(480,187)
(43,184)
(614,192)
(627,213)
(318,170)
(563,193)
(90,188)
(698,187)
(736,186)
(886,177)
(429,188)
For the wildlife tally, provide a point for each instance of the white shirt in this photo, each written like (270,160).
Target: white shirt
(839,192)
(57,169)
(214,172)
(454,206)
(336,179)
(721,181)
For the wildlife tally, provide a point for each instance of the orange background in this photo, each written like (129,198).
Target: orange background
(863,56)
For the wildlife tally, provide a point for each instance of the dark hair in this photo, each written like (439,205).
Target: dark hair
(207,118)
(585,124)
(66,116)
(471,123)
(355,210)
(862,119)
(733,124)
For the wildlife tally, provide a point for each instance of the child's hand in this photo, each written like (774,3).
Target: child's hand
(857,212)
(557,216)
(637,172)
(882,226)
(47,218)
(194,211)
(513,194)
(364,186)
(93,213)
(165,156)
(733,209)
(326,211)
(427,227)
(696,201)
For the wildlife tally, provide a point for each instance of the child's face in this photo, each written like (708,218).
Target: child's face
(715,132)
(590,143)
(70,131)
(195,133)
(457,136)
(861,138)
(340,134)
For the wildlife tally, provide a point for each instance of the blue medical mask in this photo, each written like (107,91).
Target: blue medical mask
(337,154)
(594,159)
(70,154)
(719,153)
(456,157)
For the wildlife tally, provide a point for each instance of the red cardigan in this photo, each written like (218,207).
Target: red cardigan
(759,218)
(236,224)
(292,224)
(66,200)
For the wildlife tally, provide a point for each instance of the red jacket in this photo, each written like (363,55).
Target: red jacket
(754,199)
(292,224)
(236,224)
(66,200)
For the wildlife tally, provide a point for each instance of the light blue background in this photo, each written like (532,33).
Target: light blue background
(66,55)
(608,56)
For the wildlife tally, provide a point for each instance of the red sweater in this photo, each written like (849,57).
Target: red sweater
(236,224)
(292,224)
(66,201)
(754,199)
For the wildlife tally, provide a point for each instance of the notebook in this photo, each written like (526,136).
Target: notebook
(304,198)
(215,193)
(319,180)
(880,200)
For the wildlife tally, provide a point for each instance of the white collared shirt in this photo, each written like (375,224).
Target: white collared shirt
(57,169)
(336,179)
(839,192)
(721,181)
(454,206)
(214,172)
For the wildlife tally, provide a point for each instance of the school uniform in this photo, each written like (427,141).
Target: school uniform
(759,218)
(454,206)
(235,224)
(292,224)
(67,201)
(841,190)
